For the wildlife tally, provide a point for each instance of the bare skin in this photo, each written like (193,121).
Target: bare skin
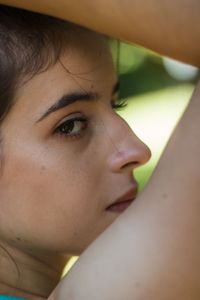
(54,200)
(167,213)
(152,250)
(25,275)
(168,27)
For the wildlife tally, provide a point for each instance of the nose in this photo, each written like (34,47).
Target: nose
(128,151)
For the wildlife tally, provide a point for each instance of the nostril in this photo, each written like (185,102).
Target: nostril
(130,164)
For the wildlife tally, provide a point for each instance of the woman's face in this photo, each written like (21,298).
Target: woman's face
(66,155)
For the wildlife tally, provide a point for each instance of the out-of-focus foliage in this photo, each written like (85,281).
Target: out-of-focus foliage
(156,100)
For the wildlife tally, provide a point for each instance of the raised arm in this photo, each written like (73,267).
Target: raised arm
(152,250)
(168,27)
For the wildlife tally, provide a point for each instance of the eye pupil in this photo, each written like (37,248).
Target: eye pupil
(67,128)
(73,127)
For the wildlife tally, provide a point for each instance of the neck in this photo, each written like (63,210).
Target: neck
(26,275)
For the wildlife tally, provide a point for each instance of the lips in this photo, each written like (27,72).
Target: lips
(124,201)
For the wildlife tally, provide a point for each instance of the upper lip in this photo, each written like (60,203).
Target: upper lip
(129,195)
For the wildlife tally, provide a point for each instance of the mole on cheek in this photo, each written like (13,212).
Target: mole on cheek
(42,169)
(164,195)
(75,233)
(137,284)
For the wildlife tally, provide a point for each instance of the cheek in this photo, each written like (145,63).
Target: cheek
(48,197)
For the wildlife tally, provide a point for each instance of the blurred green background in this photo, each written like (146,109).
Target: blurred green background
(158,90)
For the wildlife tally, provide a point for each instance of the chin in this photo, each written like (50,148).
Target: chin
(78,248)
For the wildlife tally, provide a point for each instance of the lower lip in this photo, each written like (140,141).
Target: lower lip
(120,207)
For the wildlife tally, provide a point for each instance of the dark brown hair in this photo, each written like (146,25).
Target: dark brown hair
(29,43)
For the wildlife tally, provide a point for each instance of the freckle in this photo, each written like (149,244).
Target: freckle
(18,238)
(42,169)
(164,195)
(137,284)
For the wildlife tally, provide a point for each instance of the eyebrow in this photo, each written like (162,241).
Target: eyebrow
(68,99)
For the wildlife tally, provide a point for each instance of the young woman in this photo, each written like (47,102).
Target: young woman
(160,230)
(66,156)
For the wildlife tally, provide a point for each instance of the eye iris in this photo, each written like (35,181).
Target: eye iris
(73,127)
(68,127)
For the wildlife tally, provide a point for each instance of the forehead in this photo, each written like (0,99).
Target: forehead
(85,65)
(88,58)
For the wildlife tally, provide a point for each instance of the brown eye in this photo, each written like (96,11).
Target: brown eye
(72,127)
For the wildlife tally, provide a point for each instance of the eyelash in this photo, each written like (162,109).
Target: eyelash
(70,123)
(120,104)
